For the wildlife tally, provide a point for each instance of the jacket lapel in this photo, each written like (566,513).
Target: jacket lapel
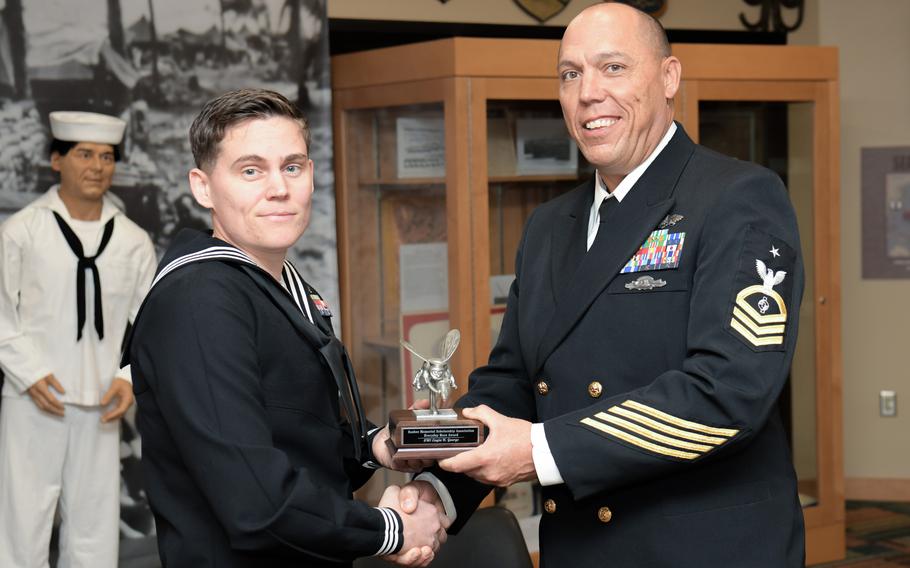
(649,200)
(570,238)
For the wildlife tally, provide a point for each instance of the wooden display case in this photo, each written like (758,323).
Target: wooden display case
(426,245)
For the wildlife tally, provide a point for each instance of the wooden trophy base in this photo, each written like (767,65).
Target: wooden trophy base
(431,438)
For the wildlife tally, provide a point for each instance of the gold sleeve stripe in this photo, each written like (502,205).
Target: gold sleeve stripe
(636,441)
(666,440)
(756,341)
(660,426)
(757,329)
(679,421)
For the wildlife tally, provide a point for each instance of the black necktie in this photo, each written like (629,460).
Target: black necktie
(607,206)
(86,263)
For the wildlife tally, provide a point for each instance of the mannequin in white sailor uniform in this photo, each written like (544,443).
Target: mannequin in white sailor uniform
(253,433)
(74,270)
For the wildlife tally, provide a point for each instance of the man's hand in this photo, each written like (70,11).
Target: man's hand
(122,390)
(421,491)
(423,530)
(42,396)
(383,454)
(504,457)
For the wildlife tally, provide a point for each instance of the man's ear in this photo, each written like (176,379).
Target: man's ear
(672,73)
(200,186)
(55,161)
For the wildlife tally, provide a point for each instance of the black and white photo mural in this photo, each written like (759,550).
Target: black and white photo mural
(154,63)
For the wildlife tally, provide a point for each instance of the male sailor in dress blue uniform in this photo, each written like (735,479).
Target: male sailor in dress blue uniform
(648,334)
(74,270)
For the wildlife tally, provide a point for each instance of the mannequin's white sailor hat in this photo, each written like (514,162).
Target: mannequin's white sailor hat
(72,126)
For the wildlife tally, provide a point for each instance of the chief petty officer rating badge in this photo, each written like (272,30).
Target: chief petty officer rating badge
(760,314)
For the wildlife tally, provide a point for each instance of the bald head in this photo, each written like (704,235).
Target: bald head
(648,29)
(617,80)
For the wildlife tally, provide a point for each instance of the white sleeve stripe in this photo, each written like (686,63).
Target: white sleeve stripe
(384,549)
(392,528)
(394,531)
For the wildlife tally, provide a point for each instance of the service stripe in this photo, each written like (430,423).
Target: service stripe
(728,432)
(666,429)
(641,431)
(636,441)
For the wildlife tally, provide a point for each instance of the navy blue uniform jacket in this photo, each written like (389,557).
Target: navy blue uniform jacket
(655,361)
(246,457)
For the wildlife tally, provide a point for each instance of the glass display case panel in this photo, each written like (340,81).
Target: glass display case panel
(531,159)
(778,135)
(396,217)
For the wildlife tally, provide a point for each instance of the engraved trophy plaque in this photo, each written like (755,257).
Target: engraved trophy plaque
(434,433)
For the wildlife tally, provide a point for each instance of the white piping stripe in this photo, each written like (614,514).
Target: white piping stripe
(301,288)
(231,251)
(291,287)
(211,252)
(293,284)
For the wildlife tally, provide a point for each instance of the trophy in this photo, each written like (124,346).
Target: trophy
(434,433)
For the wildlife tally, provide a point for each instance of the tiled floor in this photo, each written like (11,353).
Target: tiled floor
(878,535)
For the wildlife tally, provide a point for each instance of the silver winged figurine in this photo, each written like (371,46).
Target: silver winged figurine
(435,375)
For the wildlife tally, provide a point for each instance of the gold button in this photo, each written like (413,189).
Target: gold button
(542,387)
(549,506)
(605,514)
(595,389)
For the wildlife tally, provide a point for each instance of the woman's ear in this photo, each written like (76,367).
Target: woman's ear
(200,186)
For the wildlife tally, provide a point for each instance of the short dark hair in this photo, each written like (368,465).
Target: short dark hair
(63,147)
(233,107)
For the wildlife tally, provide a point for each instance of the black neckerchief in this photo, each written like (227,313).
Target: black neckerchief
(86,263)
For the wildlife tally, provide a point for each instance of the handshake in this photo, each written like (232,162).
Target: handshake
(503,459)
(423,518)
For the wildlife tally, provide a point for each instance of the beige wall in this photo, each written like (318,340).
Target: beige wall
(874,47)
(679,14)
(474,11)
(691,14)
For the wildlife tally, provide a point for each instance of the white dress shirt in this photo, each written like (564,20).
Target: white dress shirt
(547,471)
(38,298)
